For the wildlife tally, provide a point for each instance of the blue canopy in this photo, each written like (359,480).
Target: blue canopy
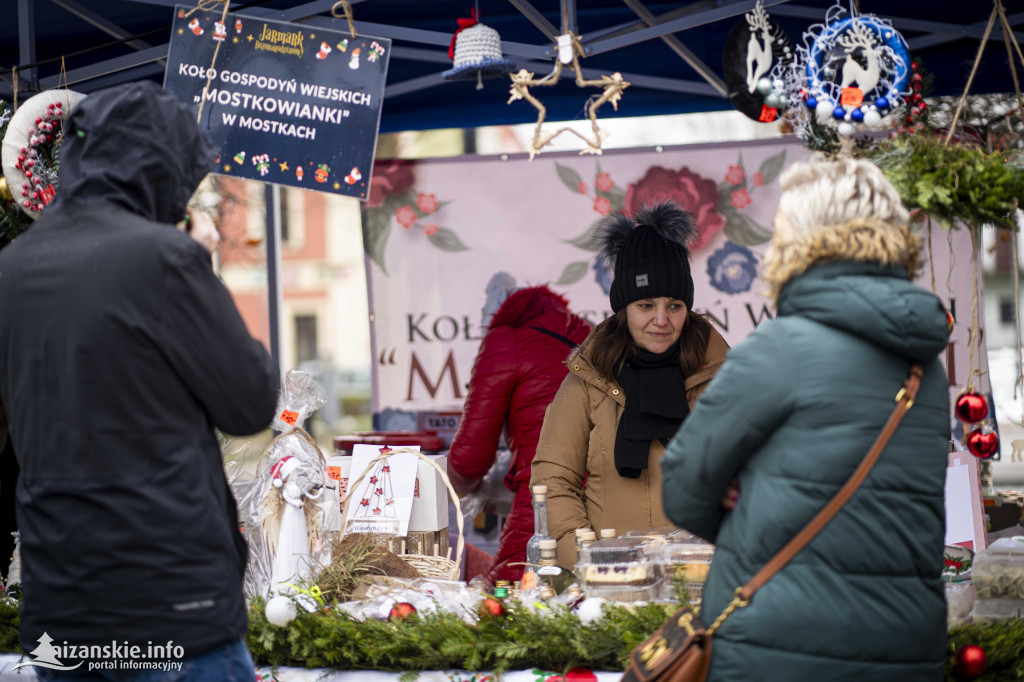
(671,52)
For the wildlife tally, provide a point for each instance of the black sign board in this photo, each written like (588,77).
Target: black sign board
(286,103)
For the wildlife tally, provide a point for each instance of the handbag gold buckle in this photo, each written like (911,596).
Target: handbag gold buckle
(903,394)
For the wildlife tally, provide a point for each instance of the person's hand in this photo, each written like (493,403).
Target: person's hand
(202,228)
(731,496)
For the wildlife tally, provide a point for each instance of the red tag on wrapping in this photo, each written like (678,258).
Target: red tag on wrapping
(529,580)
(334,473)
(768,114)
(289,417)
(851,97)
(47,195)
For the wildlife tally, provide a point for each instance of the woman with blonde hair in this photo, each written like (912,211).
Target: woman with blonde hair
(788,419)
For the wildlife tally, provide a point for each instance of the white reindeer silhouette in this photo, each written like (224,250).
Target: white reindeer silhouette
(1018,450)
(759,57)
(866,78)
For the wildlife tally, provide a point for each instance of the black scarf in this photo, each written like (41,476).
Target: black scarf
(655,391)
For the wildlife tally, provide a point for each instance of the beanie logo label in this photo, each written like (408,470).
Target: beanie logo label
(641,280)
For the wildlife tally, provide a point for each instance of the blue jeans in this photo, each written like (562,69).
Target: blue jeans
(226,663)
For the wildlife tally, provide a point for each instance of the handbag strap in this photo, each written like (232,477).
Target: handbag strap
(904,400)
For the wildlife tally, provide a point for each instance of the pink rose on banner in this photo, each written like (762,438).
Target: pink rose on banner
(696,194)
(735,175)
(430,229)
(406,216)
(757,179)
(602,205)
(427,203)
(389,178)
(740,198)
(604,182)
(582,187)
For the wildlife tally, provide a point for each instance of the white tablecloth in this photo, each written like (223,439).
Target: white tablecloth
(26,674)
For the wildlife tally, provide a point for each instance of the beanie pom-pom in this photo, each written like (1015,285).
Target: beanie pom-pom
(670,220)
(614,230)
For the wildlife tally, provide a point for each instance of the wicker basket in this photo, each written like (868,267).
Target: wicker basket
(441,567)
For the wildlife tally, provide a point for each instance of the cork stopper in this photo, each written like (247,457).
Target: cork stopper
(540,493)
(548,544)
(607,533)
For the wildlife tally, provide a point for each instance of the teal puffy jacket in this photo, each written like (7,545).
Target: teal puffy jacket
(792,413)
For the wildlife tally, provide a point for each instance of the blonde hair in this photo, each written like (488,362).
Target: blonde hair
(838,210)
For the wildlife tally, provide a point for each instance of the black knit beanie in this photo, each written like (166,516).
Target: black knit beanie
(648,253)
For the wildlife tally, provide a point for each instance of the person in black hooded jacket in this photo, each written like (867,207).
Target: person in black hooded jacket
(120,352)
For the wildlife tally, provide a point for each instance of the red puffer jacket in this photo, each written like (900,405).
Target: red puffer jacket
(515,375)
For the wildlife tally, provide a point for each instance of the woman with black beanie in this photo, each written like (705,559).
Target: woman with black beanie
(631,384)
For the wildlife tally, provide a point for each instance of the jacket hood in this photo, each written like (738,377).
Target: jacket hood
(874,302)
(525,305)
(137,146)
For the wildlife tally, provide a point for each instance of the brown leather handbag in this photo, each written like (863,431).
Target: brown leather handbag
(680,650)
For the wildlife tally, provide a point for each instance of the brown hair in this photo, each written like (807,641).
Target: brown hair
(613,344)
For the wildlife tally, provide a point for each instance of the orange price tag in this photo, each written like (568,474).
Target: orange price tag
(334,473)
(768,114)
(529,580)
(289,417)
(851,97)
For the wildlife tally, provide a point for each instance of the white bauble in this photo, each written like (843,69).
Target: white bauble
(824,111)
(589,610)
(846,129)
(872,118)
(280,611)
(764,86)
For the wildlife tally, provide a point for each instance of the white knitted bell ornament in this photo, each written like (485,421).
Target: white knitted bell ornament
(476,51)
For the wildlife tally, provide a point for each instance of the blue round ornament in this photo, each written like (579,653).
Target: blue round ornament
(811,103)
(857,116)
(839,113)
(882,103)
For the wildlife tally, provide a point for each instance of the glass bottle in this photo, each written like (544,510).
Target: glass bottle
(540,525)
(550,573)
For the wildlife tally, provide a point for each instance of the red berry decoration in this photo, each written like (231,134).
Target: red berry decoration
(970,661)
(402,611)
(983,445)
(492,607)
(971,407)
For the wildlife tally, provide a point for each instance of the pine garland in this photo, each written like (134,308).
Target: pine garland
(443,641)
(519,641)
(954,183)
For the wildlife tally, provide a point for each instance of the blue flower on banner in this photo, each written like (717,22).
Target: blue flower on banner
(602,275)
(732,268)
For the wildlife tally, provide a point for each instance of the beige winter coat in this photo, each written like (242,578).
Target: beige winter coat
(578,438)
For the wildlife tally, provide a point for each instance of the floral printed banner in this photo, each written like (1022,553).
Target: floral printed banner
(436,232)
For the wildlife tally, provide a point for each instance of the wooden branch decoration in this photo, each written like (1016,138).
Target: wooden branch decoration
(612,85)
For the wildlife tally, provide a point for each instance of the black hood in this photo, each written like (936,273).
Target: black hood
(135,145)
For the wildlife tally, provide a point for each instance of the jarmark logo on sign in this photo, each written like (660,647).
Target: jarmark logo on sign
(113,656)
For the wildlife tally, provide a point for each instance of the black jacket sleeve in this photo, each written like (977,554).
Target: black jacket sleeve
(202,334)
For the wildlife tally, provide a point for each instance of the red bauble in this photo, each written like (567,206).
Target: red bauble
(492,607)
(401,611)
(971,407)
(970,661)
(983,445)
